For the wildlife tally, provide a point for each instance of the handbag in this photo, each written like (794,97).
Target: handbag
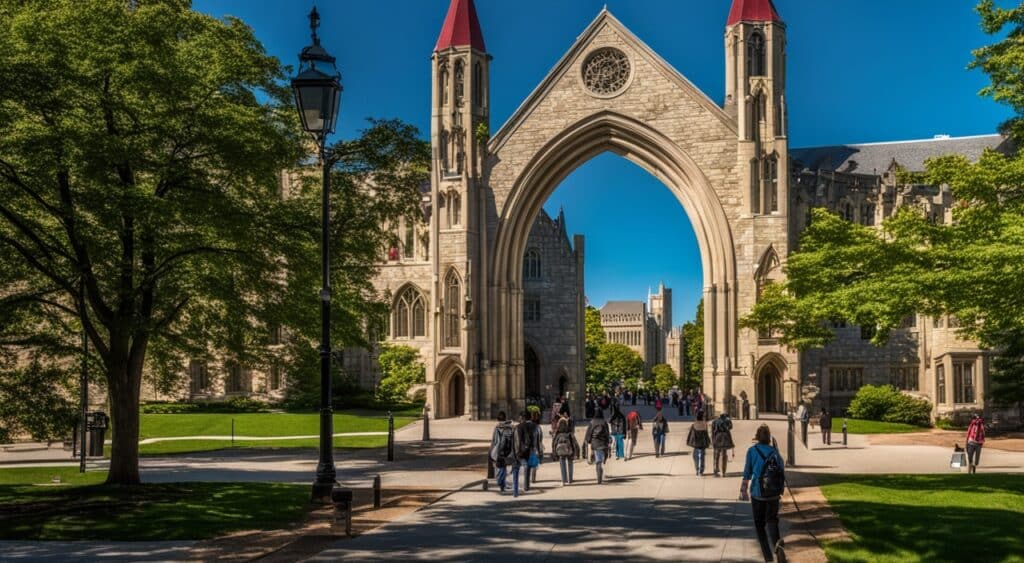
(534,460)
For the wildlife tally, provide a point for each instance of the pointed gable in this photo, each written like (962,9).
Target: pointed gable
(753,11)
(461,27)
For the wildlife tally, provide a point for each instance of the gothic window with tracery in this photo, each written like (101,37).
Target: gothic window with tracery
(766,275)
(606,71)
(410,314)
(755,186)
(452,314)
(456,209)
(443,86)
(755,55)
(478,85)
(772,181)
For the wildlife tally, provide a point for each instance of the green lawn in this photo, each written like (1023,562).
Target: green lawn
(928,517)
(854,426)
(262,425)
(81,508)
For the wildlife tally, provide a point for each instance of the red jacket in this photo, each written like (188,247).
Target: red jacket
(976,431)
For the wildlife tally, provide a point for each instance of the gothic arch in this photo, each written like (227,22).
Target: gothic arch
(453,296)
(452,389)
(651,149)
(770,383)
(409,307)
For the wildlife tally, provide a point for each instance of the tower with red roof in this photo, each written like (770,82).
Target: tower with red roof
(755,90)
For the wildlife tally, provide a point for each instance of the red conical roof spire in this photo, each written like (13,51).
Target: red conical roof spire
(753,11)
(461,27)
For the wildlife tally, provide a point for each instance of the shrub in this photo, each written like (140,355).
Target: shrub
(400,368)
(886,403)
(235,405)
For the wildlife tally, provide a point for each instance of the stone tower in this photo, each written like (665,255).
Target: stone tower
(755,86)
(459,130)
(660,306)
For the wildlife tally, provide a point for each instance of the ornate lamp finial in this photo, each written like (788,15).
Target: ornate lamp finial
(314,23)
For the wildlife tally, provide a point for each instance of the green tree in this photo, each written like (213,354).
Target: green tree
(593,332)
(401,367)
(34,400)
(615,364)
(141,157)
(664,378)
(693,340)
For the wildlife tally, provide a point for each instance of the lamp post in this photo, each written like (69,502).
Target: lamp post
(317,90)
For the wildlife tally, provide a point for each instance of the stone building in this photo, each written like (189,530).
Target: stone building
(924,357)
(457,282)
(644,327)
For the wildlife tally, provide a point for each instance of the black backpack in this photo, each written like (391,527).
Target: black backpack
(505,444)
(524,434)
(772,478)
(600,433)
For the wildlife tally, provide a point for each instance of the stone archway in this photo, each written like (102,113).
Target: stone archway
(649,148)
(452,392)
(532,368)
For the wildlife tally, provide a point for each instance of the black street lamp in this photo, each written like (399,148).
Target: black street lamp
(317,91)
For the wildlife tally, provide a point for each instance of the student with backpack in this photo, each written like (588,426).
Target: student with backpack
(975,441)
(633,426)
(501,449)
(536,449)
(721,441)
(659,427)
(764,480)
(598,437)
(564,448)
(523,446)
(699,440)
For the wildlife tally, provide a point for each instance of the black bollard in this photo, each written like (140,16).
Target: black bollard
(426,423)
(490,467)
(376,491)
(391,436)
(844,432)
(803,431)
(791,441)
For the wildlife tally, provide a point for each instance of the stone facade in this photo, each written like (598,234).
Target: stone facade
(644,327)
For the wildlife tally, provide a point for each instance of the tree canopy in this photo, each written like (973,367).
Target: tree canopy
(615,364)
(140,175)
(664,378)
(693,340)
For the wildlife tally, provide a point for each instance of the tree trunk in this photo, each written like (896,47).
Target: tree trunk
(125,380)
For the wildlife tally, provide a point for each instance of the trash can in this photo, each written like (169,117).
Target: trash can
(97,426)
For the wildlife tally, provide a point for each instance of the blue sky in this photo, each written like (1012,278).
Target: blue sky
(858,71)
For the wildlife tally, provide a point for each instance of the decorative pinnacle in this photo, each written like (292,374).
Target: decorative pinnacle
(314,23)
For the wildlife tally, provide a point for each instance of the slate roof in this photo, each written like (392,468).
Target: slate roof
(875,158)
(623,308)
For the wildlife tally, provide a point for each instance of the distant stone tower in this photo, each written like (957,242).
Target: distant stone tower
(660,307)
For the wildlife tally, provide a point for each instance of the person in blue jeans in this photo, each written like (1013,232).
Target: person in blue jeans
(502,453)
(618,429)
(699,440)
(765,508)
(659,427)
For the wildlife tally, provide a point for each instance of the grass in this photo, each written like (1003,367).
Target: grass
(897,518)
(261,425)
(854,426)
(82,508)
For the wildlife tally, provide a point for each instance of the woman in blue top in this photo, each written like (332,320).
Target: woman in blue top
(765,508)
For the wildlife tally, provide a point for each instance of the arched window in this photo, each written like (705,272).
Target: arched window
(478,85)
(772,181)
(441,209)
(531,265)
(757,116)
(755,55)
(443,86)
(755,186)
(456,209)
(460,81)
(452,304)
(410,238)
(766,275)
(409,315)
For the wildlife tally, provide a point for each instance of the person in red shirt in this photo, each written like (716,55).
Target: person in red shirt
(975,440)
(633,427)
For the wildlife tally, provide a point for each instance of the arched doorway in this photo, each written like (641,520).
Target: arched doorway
(457,394)
(532,371)
(769,389)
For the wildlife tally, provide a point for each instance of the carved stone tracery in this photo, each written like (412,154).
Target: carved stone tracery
(606,71)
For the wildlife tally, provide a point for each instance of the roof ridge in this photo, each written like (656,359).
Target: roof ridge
(875,143)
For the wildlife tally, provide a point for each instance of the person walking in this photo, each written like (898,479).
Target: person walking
(633,427)
(975,440)
(537,449)
(523,445)
(764,480)
(501,449)
(659,428)
(564,448)
(721,441)
(597,438)
(699,440)
(618,429)
(589,406)
(826,427)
